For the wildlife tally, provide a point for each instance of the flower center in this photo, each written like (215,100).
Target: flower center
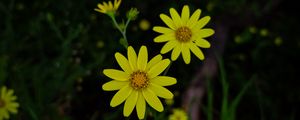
(183,34)
(2,103)
(139,79)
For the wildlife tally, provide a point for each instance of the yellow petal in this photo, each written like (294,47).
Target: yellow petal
(102,11)
(98,10)
(194,18)
(114,85)
(176,52)
(12,110)
(121,96)
(101,6)
(123,62)
(142,58)
(132,58)
(3,92)
(130,103)
(12,98)
(176,18)
(185,14)
(158,68)
(163,80)
(186,53)
(164,30)
(152,100)
(110,5)
(141,106)
(168,21)
(165,37)
(5,114)
(169,46)
(203,33)
(9,95)
(1,114)
(12,107)
(202,43)
(105,5)
(116,74)
(197,51)
(161,91)
(10,92)
(153,61)
(201,23)
(117,4)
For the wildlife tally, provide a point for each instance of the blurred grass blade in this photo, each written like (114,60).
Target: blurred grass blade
(238,98)
(32,113)
(225,88)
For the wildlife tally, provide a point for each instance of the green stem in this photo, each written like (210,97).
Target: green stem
(125,29)
(225,87)
(123,32)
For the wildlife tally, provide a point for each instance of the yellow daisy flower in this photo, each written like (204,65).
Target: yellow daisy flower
(7,103)
(178,114)
(139,82)
(185,33)
(108,7)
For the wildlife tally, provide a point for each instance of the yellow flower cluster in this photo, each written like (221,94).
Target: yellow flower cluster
(140,81)
(178,114)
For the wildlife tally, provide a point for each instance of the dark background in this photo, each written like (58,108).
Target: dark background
(52,54)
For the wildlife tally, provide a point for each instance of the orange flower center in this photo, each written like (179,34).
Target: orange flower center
(139,79)
(2,103)
(183,34)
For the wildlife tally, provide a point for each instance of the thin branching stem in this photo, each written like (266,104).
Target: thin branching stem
(122,31)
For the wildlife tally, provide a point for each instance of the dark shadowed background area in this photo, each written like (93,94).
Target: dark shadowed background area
(52,53)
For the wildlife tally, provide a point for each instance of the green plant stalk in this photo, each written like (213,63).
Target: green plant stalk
(225,87)
(237,99)
(32,113)
(260,103)
(125,29)
(123,32)
(228,110)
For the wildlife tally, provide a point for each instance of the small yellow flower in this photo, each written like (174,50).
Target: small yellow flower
(100,44)
(169,102)
(210,6)
(278,41)
(264,32)
(108,8)
(252,29)
(139,82)
(238,39)
(185,34)
(144,24)
(7,103)
(178,114)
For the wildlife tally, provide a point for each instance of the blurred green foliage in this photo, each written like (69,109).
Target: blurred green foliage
(52,54)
